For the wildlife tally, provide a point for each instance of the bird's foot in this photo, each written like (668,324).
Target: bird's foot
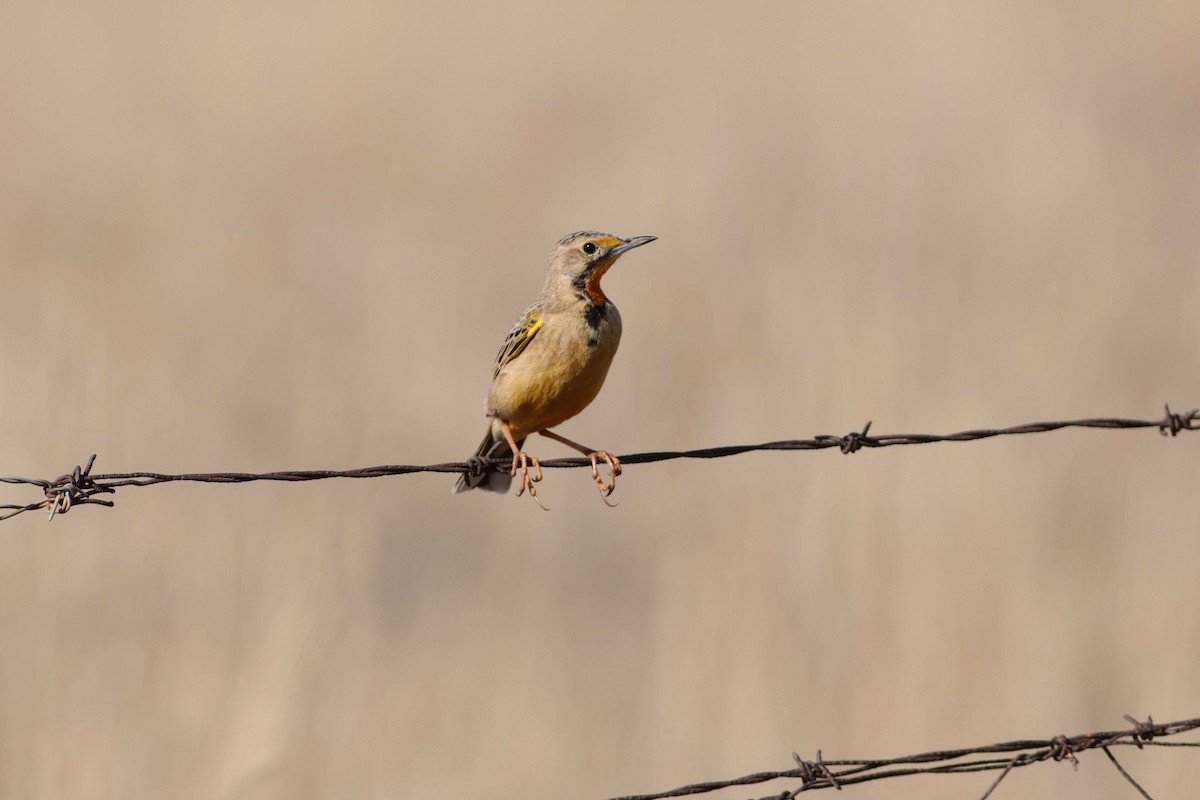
(522,462)
(614,469)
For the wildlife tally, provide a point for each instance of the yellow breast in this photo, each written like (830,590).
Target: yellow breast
(558,374)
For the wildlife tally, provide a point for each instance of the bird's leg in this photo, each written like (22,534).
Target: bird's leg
(596,456)
(523,459)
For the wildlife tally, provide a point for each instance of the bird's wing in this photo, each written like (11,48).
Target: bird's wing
(518,338)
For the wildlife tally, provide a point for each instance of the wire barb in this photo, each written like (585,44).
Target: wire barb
(1002,757)
(1174,423)
(811,773)
(75,488)
(478,466)
(1061,749)
(79,487)
(852,442)
(1145,730)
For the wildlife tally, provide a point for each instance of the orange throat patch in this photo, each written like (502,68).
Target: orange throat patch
(593,281)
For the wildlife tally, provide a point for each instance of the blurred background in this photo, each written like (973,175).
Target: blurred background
(256,236)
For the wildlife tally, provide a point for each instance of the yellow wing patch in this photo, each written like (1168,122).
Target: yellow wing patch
(518,338)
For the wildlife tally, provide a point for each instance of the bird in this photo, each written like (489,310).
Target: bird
(553,363)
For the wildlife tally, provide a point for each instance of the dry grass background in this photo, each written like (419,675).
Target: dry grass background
(261,235)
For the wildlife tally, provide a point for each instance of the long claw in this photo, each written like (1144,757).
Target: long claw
(614,469)
(536,499)
(527,481)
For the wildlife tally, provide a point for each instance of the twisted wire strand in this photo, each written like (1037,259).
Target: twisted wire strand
(81,487)
(836,774)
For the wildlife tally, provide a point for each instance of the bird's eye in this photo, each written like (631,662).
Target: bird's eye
(589,248)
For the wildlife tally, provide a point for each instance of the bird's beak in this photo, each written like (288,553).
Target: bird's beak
(636,241)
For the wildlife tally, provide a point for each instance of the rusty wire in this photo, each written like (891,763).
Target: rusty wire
(840,773)
(81,487)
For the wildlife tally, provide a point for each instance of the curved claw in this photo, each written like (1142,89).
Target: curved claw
(614,469)
(524,460)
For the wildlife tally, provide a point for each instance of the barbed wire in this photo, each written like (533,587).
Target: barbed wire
(80,487)
(840,773)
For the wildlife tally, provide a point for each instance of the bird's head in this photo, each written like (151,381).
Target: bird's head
(580,260)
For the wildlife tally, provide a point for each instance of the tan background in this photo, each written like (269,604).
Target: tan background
(253,236)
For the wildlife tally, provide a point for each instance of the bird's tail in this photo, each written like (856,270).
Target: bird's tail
(490,447)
